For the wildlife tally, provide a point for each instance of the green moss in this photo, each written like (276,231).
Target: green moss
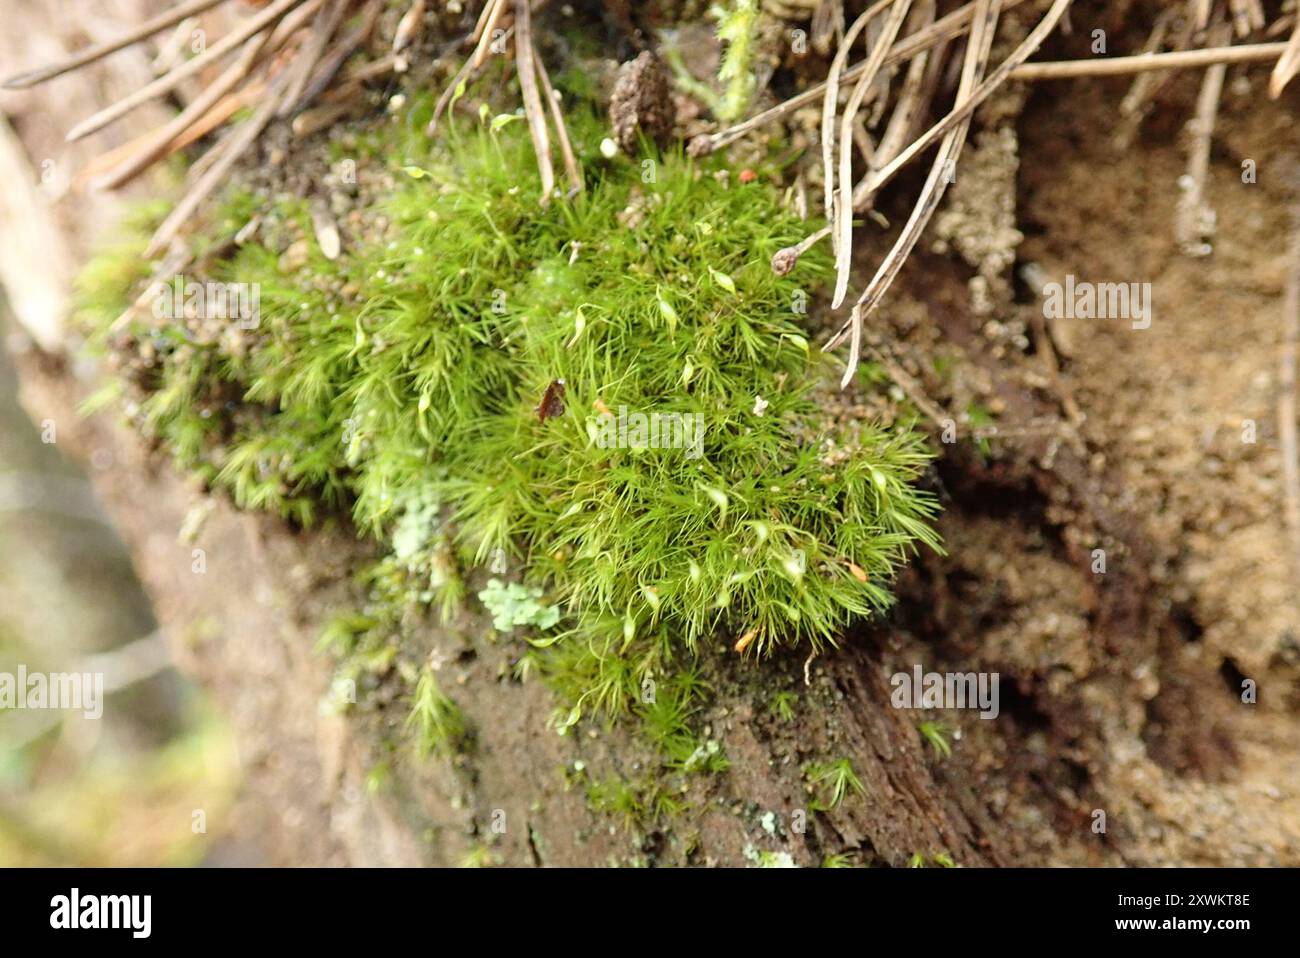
(111,279)
(763,858)
(939,860)
(737,23)
(615,796)
(437,721)
(403,382)
(783,704)
(936,733)
(833,782)
(643,804)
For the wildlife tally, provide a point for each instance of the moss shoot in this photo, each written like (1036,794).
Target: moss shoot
(613,393)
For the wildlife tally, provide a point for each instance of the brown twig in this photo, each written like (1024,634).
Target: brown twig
(571,168)
(841,213)
(171,49)
(827,24)
(1137,101)
(168,81)
(317,118)
(1045,345)
(212,108)
(784,259)
(209,110)
(338,55)
(241,138)
(1194,219)
(974,63)
(953,129)
(843,209)
(408,27)
(1287,64)
(830,105)
(310,54)
(942,418)
(944,29)
(1247,16)
(364,72)
(21,81)
(1122,66)
(1200,11)
(177,259)
(482,35)
(910,387)
(526,67)
(1283,24)
(918,88)
(962,111)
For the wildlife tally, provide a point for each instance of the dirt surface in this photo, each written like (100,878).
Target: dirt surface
(1133,679)
(1184,415)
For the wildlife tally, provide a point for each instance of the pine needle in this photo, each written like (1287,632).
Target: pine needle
(1287,64)
(1121,66)
(21,81)
(310,54)
(976,59)
(169,81)
(945,28)
(830,105)
(526,65)
(843,207)
(232,149)
(953,130)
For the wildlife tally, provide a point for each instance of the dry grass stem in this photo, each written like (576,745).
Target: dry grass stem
(300,72)
(571,168)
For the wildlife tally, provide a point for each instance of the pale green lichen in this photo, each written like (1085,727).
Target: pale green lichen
(762,858)
(513,605)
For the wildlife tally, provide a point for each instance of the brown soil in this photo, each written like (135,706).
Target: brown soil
(1132,680)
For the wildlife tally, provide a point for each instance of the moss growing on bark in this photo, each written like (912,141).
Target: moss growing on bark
(612,396)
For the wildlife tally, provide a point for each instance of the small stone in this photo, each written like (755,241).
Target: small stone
(295,257)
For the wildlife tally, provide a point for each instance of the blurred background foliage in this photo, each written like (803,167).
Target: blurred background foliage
(151,781)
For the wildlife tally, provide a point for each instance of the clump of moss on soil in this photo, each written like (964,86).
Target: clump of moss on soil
(467,379)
